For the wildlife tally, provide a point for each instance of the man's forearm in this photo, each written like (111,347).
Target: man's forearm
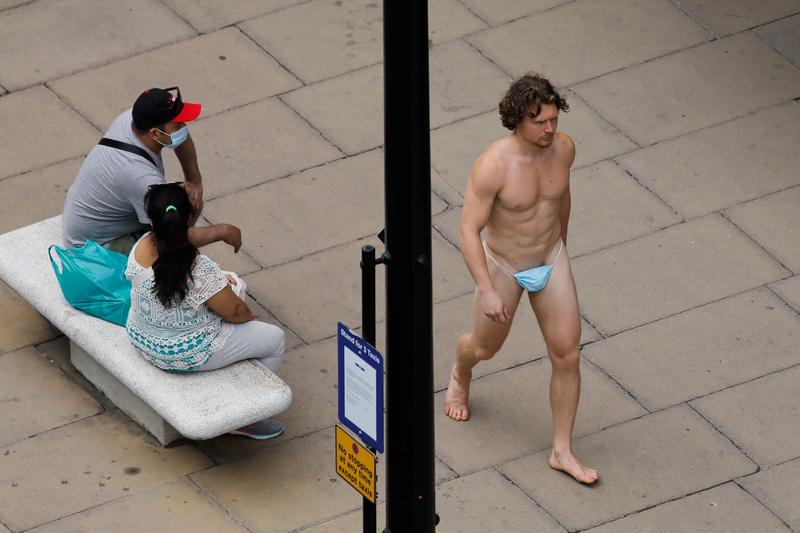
(187,156)
(566,207)
(475,258)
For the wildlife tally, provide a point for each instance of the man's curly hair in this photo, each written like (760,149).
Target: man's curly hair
(526,96)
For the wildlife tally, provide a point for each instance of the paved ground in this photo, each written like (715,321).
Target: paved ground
(685,239)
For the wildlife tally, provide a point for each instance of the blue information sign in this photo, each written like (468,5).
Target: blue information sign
(361,388)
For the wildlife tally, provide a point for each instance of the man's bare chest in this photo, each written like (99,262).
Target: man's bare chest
(525,188)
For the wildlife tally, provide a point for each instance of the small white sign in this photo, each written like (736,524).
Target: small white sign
(360,393)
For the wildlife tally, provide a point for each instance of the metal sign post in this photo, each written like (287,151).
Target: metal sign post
(410,504)
(368,330)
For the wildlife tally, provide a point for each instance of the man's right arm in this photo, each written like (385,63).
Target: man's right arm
(484,184)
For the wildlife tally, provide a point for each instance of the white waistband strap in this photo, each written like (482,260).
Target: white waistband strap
(495,261)
(504,269)
(561,247)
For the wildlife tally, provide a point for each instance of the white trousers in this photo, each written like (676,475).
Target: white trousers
(249,340)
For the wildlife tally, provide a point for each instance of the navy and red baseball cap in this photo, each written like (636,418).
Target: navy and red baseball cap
(158,106)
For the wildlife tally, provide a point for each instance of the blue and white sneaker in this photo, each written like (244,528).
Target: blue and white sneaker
(261,430)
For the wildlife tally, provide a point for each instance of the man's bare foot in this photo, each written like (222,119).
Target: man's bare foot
(569,464)
(456,399)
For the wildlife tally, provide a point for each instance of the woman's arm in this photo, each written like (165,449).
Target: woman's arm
(230,307)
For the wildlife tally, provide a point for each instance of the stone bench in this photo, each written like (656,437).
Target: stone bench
(197,406)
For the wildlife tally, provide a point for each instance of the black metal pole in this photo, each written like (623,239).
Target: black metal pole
(368,330)
(409,325)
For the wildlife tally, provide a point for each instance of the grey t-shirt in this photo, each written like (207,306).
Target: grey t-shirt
(106,200)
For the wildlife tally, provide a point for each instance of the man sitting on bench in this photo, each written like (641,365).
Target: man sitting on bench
(106,202)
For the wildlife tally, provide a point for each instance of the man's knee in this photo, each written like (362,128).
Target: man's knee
(482,351)
(566,357)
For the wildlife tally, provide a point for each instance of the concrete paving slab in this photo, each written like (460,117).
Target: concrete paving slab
(597,218)
(231,158)
(355,124)
(3,529)
(310,303)
(483,501)
(486,501)
(496,12)
(453,318)
(783,36)
(693,89)
(761,416)
(448,19)
(789,290)
(510,415)
(56,352)
(346,36)
(603,35)
(21,324)
(475,87)
(74,35)
(55,125)
(265,315)
(447,224)
(298,479)
(208,15)
(343,200)
(444,190)
(595,138)
(730,16)
(774,222)
(723,508)
(172,506)
(305,296)
(733,162)
(455,147)
(221,70)
(664,273)
(8,4)
(223,254)
(777,488)
(352,521)
(683,454)
(37,397)
(703,350)
(37,194)
(89,462)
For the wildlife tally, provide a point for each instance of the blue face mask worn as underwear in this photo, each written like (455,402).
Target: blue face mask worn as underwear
(533,279)
(176,138)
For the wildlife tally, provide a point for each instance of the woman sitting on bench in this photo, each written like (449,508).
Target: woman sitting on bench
(185,313)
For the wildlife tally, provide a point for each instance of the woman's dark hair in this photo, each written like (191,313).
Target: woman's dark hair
(526,96)
(170,212)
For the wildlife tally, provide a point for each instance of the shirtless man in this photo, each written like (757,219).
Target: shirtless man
(518,191)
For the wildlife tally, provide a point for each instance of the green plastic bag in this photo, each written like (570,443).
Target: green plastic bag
(92,279)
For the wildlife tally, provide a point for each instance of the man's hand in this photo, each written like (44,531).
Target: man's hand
(195,192)
(232,236)
(493,306)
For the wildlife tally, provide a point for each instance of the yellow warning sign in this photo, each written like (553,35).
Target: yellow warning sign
(355,464)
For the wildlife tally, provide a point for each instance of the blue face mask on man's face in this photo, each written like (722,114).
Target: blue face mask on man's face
(176,138)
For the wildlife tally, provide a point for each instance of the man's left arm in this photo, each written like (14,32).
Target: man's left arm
(566,200)
(187,155)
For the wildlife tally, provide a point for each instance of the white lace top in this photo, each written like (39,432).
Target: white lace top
(179,338)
